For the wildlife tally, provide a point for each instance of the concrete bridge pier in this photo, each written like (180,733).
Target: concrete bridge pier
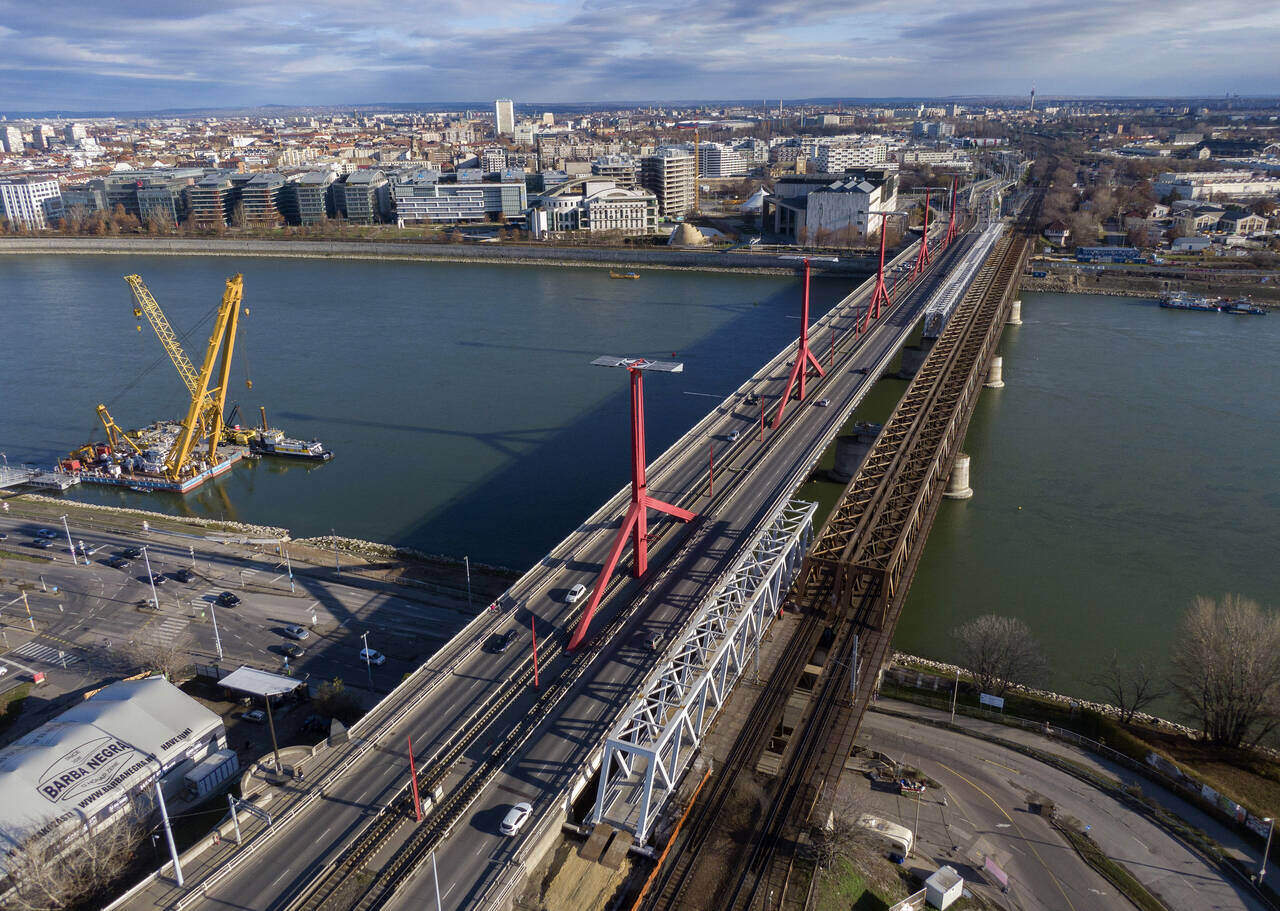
(913,358)
(958,484)
(995,376)
(851,450)
(1015,314)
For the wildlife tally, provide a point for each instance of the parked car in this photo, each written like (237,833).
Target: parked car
(293,631)
(3,536)
(516,817)
(228,599)
(293,650)
(753,398)
(132,553)
(910,786)
(373,656)
(118,563)
(184,575)
(575,593)
(46,533)
(254,716)
(157,579)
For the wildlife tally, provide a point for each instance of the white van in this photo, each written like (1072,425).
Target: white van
(895,837)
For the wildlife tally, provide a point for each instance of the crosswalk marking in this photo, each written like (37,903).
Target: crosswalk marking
(168,630)
(37,651)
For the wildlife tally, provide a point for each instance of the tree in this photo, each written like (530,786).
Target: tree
(1128,684)
(332,699)
(1227,669)
(157,657)
(45,876)
(238,217)
(1000,652)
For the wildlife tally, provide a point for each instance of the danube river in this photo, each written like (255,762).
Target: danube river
(1129,464)
(458,399)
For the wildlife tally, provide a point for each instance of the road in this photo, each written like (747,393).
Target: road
(986,787)
(559,740)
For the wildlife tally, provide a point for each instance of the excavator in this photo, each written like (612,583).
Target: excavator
(203,427)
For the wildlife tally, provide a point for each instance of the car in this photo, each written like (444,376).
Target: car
(132,553)
(652,640)
(500,642)
(42,543)
(157,579)
(822,403)
(4,669)
(317,723)
(184,575)
(753,398)
(118,563)
(46,533)
(228,599)
(734,435)
(293,631)
(910,786)
(293,650)
(515,819)
(575,593)
(372,656)
(254,716)
(3,536)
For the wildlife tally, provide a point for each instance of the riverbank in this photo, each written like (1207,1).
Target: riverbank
(493,254)
(1116,284)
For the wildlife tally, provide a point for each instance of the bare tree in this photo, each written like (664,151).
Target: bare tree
(840,835)
(1000,652)
(1128,684)
(1227,669)
(44,875)
(155,656)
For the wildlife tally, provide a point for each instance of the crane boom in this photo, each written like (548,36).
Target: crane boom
(168,338)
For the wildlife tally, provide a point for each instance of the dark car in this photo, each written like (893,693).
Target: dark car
(500,642)
(156,579)
(184,575)
(317,723)
(118,563)
(228,599)
(42,543)
(293,649)
(132,553)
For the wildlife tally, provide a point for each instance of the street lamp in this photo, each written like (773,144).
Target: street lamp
(368,665)
(1262,868)
(74,559)
(213,612)
(155,599)
(466,561)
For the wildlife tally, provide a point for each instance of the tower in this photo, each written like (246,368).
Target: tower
(1033,99)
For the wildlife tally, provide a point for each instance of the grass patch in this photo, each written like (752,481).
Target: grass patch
(1115,873)
(6,554)
(11,704)
(844,887)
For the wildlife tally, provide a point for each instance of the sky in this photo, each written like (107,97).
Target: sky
(134,55)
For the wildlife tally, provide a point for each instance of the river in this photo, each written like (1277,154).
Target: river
(1129,464)
(458,399)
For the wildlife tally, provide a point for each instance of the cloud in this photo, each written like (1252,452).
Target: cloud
(74,54)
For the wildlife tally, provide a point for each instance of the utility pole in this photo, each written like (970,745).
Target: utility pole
(168,834)
(217,640)
(1262,869)
(155,599)
(955,695)
(368,665)
(466,561)
(70,546)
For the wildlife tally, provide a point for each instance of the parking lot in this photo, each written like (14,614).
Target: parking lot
(140,596)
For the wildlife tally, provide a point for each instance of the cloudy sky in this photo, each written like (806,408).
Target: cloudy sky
(149,54)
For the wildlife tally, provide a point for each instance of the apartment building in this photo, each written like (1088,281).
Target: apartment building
(623,170)
(261,198)
(211,201)
(11,138)
(363,197)
(313,197)
(833,158)
(506,116)
(718,160)
(670,174)
(33,202)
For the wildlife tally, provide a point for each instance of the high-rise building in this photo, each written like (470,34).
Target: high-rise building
(314,195)
(623,170)
(11,137)
(74,132)
(211,201)
(670,174)
(34,202)
(40,135)
(363,196)
(717,160)
(506,115)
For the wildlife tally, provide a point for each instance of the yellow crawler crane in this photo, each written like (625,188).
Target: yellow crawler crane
(203,423)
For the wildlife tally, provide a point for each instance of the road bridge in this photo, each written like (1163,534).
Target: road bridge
(489,728)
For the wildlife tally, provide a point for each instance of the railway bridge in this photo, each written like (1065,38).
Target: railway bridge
(598,736)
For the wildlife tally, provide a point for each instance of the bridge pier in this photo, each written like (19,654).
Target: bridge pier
(995,376)
(958,484)
(851,449)
(913,358)
(1015,314)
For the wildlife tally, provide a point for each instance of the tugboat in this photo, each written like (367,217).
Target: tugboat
(1243,306)
(1180,300)
(624,274)
(275,443)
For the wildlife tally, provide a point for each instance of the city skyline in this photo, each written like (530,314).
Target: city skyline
(66,55)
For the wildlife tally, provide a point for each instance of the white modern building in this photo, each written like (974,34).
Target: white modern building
(11,137)
(75,132)
(506,116)
(1215,185)
(87,768)
(33,202)
(596,205)
(830,208)
(425,198)
(718,160)
(832,158)
(671,175)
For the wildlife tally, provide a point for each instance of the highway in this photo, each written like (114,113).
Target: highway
(531,751)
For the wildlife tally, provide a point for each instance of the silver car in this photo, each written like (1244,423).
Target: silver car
(515,819)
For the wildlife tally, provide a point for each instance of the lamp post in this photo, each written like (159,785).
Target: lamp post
(71,546)
(1262,868)
(155,599)
(217,640)
(368,665)
(466,561)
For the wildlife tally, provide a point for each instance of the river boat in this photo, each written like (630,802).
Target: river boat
(275,443)
(1182,301)
(624,274)
(1243,306)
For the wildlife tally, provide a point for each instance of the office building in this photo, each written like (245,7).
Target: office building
(623,170)
(363,196)
(831,208)
(11,138)
(506,117)
(313,197)
(936,129)
(427,198)
(596,205)
(74,132)
(834,158)
(493,160)
(40,135)
(524,133)
(718,160)
(87,768)
(211,201)
(1215,185)
(260,197)
(670,174)
(32,202)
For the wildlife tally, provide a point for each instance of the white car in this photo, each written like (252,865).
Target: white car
(372,656)
(575,593)
(734,435)
(822,403)
(515,819)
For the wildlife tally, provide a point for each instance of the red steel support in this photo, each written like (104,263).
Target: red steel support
(711,470)
(881,294)
(951,218)
(804,356)
(761,419)
(635,524)
(533,625)
(413,777)
(922,258)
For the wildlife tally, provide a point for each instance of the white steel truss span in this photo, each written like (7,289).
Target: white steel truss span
(945,298)
(651,745)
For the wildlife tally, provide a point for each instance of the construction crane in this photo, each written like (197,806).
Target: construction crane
(203,424)
(115,435)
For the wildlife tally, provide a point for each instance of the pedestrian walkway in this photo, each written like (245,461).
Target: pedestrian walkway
(168,631)
(38,651)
